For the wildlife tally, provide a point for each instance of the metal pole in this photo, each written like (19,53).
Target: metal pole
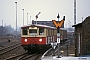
(27,18)
(36,21)
(67,50)
(23,17)
(74,24)
(30,19)
(36,18)
(2,27)
(58,44)
(82,19)
(53,46)
(53,49)
(74,11)
(58,38)
(16,19)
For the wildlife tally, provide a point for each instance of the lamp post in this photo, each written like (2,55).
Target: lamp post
(27,18)
(23,17)
(16,19)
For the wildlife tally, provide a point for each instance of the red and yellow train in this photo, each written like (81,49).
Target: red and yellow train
(35,38)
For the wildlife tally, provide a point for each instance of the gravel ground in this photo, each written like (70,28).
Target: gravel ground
(5,43)
(14,52)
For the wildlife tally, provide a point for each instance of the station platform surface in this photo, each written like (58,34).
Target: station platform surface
(64,58)
(66,52)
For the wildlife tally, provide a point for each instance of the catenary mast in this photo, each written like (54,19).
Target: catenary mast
(74,11)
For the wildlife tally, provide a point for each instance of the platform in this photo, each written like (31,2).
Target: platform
(64,58)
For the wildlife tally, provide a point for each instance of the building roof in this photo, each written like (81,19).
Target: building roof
(43,22)
(77,24)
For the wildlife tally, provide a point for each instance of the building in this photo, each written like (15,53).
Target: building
(82,38)
(1,30)
(48,23)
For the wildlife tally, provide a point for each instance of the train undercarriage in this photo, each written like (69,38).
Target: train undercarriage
(35,48)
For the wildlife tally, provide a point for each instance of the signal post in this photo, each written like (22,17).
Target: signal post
(58,26)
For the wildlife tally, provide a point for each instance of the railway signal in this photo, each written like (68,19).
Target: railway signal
(37,16)
(58,26)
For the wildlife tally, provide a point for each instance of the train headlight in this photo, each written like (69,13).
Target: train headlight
(25,40)
(40,40)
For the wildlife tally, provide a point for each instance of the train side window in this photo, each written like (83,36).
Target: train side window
(41,31)
(24,31)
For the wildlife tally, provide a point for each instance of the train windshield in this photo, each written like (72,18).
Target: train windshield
(33,31)
(24,31)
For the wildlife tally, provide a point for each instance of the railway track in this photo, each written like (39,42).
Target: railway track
(38,57)
(15,57)
(9,48)
(25,56)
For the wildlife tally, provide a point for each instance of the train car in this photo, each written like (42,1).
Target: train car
(35,38)
(63,35)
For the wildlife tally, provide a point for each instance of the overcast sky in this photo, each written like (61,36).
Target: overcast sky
(49,10)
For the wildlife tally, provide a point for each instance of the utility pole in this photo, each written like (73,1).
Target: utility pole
(75,23)
(27,18)
(23,17)
(74,12)
(16,19)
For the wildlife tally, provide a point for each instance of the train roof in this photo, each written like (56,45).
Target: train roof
(38,25)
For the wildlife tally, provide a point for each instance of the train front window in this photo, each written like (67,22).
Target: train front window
(41,31)
(33,31)
(24,31)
